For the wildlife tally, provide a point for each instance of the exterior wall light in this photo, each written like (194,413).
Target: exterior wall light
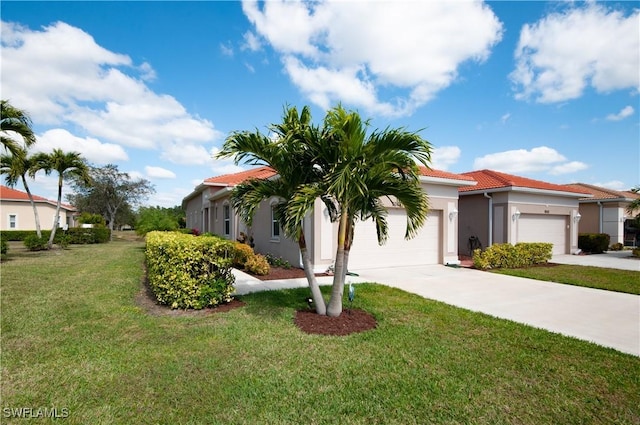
(515,216)
(452,214)
(576,218)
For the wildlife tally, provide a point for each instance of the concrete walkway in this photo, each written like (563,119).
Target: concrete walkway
(622,260)
(607,318)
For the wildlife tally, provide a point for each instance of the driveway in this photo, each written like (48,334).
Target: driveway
(610,319)
(622,260)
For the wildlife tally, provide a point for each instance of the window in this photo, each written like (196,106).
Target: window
(226,215)
(275,225)
(13,221)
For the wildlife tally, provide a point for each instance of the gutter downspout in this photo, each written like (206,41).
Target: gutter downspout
(490,238)
(600,220)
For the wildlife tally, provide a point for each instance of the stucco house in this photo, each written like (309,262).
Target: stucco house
(208,209)
(507,208)
(605,211)
(17,212)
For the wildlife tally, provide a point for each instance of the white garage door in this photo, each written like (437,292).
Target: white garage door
(544,228)
(422,249)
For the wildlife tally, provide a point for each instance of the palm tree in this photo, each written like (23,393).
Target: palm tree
(67,165)
(287,153)
(15,120)
(635,204)
(359,170)
(16,167)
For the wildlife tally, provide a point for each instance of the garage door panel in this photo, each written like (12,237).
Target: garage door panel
(422,249)
(544,228)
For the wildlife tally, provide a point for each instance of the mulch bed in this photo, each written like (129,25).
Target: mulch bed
(350,321)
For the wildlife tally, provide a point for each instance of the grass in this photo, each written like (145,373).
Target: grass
(592,277)
(73,338)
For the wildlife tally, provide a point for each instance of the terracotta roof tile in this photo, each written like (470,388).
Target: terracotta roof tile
(489,179)
(603,192)
(428,172)
(18,195)
(237,178)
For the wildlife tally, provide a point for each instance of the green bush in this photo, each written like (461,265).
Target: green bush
(616,247)
(95,219)
(242,253)
(509,256)
(4,246)
(74,235)
(34,243)
(188,272)
(278,261)
(257,264)
(594,243)
(636,252)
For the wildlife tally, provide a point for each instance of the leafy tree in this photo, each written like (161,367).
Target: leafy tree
(155,218)
(111,194)
(16,167)
(288,155)
(66,165)
(635,204)
(17,121)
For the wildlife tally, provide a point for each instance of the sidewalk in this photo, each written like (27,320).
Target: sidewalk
(622,260)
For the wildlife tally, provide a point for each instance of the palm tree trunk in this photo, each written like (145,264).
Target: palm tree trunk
(33,205)
(57,216)
(334,309)
(318,300)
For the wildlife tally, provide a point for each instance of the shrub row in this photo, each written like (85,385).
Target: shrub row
(505,255)
(594,243)
(185,271)
(74,235)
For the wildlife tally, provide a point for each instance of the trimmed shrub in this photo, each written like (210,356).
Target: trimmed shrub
(636,252)
(594,243)
(505,255)
(242,253)
(616,247)
(4,246)
(277,261)
(257,264)
(188,272)
(34,243)
(75,235)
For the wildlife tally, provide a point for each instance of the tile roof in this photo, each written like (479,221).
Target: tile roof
(237,178)
(9,194)
(490,180)
(428,172)
(602,192)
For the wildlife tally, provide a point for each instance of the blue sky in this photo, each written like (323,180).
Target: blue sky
(546,90)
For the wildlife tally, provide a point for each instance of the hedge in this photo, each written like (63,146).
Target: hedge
(185,271)
(505,255)
(74,235)
(594,243)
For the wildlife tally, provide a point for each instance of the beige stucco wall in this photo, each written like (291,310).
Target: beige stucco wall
(25,219)
(605,218)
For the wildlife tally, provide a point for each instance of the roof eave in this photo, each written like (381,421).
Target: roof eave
(526,190)
(447,181)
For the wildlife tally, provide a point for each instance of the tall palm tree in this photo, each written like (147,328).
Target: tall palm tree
(16,167)
(67,165)
(359,170)
(15,120)
(635,204)
(287,153)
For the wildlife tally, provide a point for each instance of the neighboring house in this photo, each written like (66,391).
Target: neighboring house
(17,212)
(209,210)
(606,212)
(506,208)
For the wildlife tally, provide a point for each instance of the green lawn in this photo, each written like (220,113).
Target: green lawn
(591,277)
(73,338)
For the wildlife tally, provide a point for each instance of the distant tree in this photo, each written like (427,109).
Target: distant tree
(112,194)
(16,167)
(155,218)
(67,165)
(17,121)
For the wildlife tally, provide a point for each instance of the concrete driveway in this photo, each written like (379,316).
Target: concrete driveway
(622,260)
(610,319)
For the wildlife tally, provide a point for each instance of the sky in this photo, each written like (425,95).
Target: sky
(545,90)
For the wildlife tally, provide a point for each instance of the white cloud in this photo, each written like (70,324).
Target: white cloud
(226,49)
(613,184)
(539,159)
(251,42)
(625,112)
(63,77)
(443,157)
(558,57)
(186,154)
(168,199)
(505,118)
(159,173)
(351,51)
(90,148)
